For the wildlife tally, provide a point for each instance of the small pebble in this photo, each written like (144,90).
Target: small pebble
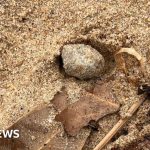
(82,61)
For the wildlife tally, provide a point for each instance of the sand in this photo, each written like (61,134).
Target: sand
(32,34)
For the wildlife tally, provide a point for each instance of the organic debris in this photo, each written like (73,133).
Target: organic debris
(122,121)
(35,129)
(79,114)
(141,90)
(144,89)
(65,142)
(60,100)
(104,91)
(38,131)
(130,51)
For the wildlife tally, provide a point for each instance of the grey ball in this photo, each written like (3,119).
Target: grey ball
(82,61)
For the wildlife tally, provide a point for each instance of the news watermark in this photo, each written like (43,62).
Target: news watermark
(9,134)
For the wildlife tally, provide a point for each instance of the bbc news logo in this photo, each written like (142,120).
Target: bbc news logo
(9,134)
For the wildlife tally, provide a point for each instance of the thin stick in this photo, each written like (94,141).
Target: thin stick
(118,126)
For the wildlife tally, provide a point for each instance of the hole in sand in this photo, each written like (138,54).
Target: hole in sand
(104,49)
(59,63)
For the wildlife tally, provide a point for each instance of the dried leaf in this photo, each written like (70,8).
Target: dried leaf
(60,142)
(89,107)
(39,132)
(35,129)
(9,144)
(60,100)
(131,51)
(104,91)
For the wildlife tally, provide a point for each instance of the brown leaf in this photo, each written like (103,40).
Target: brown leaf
(104,91)
(89,107)
(38,132)
(67,142)
(35,129)
(9,144)
(60,100)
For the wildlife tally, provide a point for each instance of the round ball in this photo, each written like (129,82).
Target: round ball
(82,61)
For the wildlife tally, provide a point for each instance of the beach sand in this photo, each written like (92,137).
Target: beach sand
(32,34)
